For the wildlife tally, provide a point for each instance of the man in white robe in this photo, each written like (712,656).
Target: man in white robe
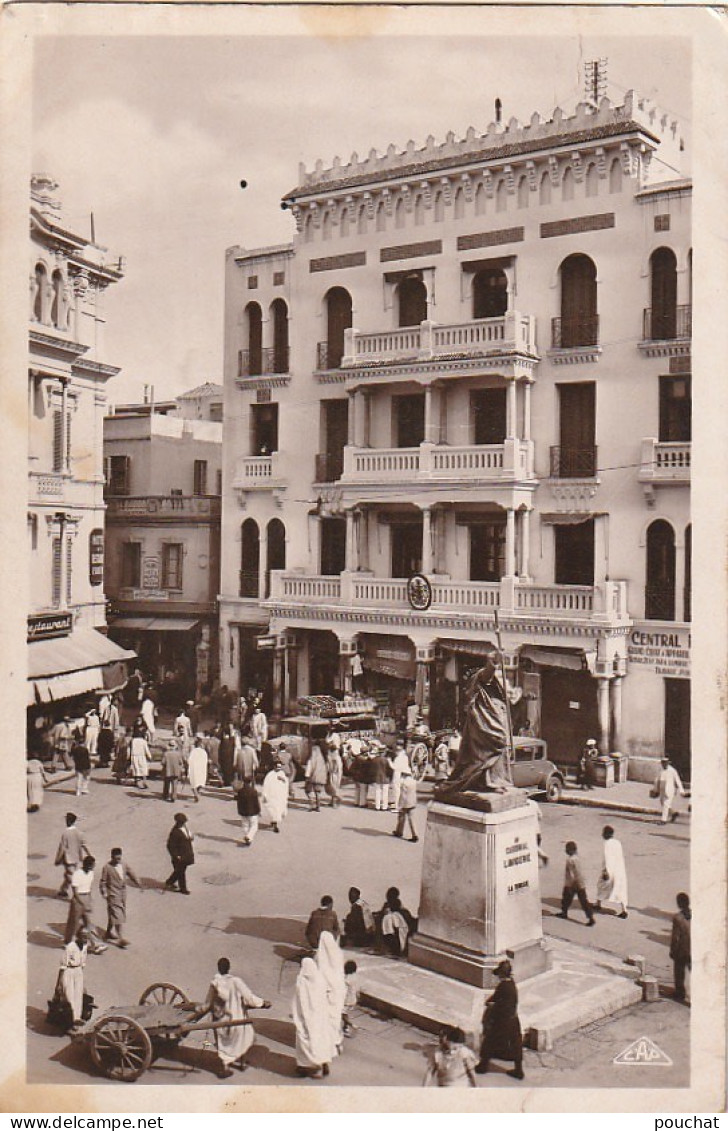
(315,1047)
(612,884)
(275,796)
(229,999)
(667,786)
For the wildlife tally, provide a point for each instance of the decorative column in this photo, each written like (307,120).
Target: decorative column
(425,656)
(511,413)
(601,550)
(361,530)
(432,413)
(525,543)
(427,554)
(527,409)
(262,566)
(680,579)
(351,562)
(603,714)
(366,413)
(616,712)
(442,423)
(279,679)
(64,427)
(510,542)
(348,648)
(352,421)
(291,655)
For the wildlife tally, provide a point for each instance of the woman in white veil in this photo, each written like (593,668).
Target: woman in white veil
(314,1041)
(330,962)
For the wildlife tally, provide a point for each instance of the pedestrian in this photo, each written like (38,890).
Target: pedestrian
(275,796)
(359,926)
(667,786)
(412,714)
(173,768)
(452,1064)
(67,1001)
(246,761)
(680,951)
(197,767)
(120,766)
(149,715)
(106,743)
(395,928)
(212,742)
(37,779)
(334,774)
(81,906)
(322,918)
(330,962)
(227,755)
(193,714)
(574,885)
(407,805)
(398,764)
(441,760)
(584,767)
(258,726)
(316,775)
(454,743)
(92,727)
(360,773)
(229,999)
(502,1037)
(380,771)
(72,848)
(612,883)
(351,1000)
(61,742)
(112,885)
(182,731)
(314,1038)
(82,762)
(182,853)
(140,758)
(392,899)
(248,805)
(283,756)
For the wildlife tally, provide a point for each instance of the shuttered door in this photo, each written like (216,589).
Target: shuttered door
(56,572)
(58,440)
(69,570)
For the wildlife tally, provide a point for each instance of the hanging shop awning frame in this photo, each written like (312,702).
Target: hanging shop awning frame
(576,660)
(81,662)
(154,624)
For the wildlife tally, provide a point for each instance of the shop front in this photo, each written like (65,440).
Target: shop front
(176,653)
(389,672)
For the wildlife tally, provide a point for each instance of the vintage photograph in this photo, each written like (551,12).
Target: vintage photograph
(359,532)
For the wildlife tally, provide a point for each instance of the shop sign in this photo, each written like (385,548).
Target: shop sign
(150,573)
(264,642)
(96,557)
(42,626)
(144,595)
(664,651)
(396,662)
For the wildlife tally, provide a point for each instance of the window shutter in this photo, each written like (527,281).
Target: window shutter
(58,440)
(56,573)
(68,441)
(69,570)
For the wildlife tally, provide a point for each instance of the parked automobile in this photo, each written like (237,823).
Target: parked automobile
(533,771)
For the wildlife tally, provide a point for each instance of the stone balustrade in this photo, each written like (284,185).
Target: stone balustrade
(512,459)
(430,340)
(665,461)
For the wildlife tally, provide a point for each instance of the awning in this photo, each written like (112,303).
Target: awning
(576,660)
(83,661)
(468,647)
(154,624)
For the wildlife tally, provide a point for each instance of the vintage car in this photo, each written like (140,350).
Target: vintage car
(299,732)
(532,770)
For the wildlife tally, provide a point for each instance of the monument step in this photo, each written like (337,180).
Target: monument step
(583,985)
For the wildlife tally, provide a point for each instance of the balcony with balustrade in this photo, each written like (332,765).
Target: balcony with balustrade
(309,600)
(664,464)
(258,473)
(485,339)
(439,463)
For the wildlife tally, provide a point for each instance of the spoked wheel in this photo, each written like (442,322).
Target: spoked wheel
(164,993)
(121,1048)
(419,760)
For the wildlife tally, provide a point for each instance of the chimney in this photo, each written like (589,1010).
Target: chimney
(498,111)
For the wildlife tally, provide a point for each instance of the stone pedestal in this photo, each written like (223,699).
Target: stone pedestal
(480,900)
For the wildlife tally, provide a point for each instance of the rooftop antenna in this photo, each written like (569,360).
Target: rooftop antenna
(498,109)
(595,80)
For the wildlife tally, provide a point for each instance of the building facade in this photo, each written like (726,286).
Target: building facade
(67,375)
(457,410)
(163,484)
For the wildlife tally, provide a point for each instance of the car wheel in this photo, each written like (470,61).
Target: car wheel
(554,789)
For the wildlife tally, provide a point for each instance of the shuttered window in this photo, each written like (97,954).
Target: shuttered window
(172,565)
(131,565)
(58,440)
(69,571)
(56,573)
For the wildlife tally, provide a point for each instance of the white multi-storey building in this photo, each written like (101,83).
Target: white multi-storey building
(464,390)
(67,375)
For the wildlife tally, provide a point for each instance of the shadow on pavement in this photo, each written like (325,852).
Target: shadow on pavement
(270,928)
(654,913)
(35,1019)
(260,1056)
(41,892)
(46,938)
(282,1032)
(220,839)
(366,832)
(654,937)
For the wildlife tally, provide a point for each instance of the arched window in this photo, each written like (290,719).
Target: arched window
(338,319)
(523,192)
(344,220)
(40,288)
(663,294)
(544,189)
(326,226)
(279,311)
(412,294)
(567,185)
(459,207)
(399,217)
(420,210)
(381,219)
(688,572)
(501,195)
(308,228)
(249,559)
(480,200)
(615,176)
(439,206)
(660,580)
(361,221)
(276,538)
(592,180)
(579,323)
(490,294)
(253,366)
(57,301)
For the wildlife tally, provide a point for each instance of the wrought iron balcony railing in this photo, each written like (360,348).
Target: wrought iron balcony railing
(329,355)
(249,583)
(573,463)
(572,333)
(264,362)
(659,602)
(666,325)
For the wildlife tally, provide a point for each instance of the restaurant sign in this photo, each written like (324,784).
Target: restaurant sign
(664,651)
(42,626)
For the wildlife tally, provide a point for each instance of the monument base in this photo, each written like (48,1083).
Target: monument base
(465,965)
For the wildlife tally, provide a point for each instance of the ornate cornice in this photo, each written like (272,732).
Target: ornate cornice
(442,365)
(679,347)
(280,381)
(576,356)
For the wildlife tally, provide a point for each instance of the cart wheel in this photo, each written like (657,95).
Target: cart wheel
(553,790)
(164,993)
(121,1048)
(419,760)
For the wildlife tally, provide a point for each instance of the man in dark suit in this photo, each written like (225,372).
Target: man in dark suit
(322,919)
(179,847)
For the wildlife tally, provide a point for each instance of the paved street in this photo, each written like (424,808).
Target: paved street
(252,904)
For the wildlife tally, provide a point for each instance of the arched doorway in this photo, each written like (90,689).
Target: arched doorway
(276,539)
(660,571)
(254,326)
(663,295)
(490,294)
(279,310)
(249,559)
(579,322)
(338,320)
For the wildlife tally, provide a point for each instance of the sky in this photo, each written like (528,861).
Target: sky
(154,133)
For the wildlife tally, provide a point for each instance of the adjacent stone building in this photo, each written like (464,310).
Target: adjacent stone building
(462,395)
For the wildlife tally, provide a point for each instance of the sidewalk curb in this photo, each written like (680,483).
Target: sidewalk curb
(614,806)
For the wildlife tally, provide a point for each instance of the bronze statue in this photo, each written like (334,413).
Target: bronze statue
(481,764)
